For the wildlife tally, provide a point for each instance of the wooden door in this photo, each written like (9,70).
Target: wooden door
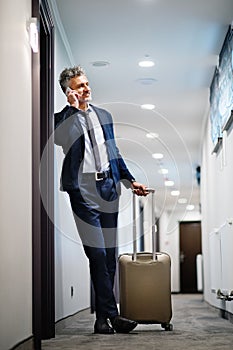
(190,246)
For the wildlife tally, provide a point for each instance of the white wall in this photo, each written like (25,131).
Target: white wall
(217,204)
(71,264)
(15,175)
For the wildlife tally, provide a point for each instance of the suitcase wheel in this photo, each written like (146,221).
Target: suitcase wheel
(167,326)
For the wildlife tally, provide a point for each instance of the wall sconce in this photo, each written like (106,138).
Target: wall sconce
(32,27)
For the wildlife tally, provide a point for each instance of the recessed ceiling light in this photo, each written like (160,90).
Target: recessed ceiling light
(168,183)
(175,193)
(190,207)
(157,155)
(146,63)
(100,63)
(163,171)
(182,200)
(148,106)
(152,135)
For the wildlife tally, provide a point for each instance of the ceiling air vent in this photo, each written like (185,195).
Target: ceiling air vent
(147,81)
(100,63)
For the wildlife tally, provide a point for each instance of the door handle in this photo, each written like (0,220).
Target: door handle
(182,257)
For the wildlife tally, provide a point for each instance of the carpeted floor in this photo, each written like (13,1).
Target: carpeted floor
(196,326)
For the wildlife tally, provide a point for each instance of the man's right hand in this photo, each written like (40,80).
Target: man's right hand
(72,98)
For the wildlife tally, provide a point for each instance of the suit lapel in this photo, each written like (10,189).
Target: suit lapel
(104,122)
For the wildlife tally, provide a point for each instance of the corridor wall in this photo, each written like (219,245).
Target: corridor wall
(217,204)
(72,279)
(16,175)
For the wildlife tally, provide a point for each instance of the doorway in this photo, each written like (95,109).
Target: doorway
(190,247)
(43,318)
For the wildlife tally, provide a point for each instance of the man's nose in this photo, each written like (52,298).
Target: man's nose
(87,88)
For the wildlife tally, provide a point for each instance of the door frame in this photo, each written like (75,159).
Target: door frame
(181,253)
(43,300)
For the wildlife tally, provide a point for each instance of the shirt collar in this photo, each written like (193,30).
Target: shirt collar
(89,109)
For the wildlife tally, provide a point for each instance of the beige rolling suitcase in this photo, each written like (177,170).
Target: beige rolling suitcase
(145,283)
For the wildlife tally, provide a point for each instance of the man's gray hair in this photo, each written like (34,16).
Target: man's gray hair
(69,73)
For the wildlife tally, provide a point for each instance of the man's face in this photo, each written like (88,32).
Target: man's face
(81,86)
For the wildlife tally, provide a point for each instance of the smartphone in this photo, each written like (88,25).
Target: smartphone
(68,89)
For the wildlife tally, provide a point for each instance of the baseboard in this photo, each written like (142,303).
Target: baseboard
(27,344)
(226,315)
(221,312)
(68,320)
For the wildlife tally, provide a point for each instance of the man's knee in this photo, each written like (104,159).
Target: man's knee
(95,255)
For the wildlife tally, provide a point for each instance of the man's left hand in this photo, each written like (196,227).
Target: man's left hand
(139,189)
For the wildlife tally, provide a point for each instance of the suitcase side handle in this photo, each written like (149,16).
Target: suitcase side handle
(134,256)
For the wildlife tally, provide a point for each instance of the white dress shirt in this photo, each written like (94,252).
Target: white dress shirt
(89,160)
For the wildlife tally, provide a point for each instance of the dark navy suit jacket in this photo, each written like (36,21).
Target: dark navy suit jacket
(69,134)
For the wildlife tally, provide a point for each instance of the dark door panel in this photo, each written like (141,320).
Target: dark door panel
(190,246)
(42,227)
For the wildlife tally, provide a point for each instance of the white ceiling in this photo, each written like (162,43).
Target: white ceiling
(184,38)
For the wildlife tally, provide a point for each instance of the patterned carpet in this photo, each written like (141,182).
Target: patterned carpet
(196,326)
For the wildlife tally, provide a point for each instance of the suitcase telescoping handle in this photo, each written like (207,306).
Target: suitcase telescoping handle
(152,191)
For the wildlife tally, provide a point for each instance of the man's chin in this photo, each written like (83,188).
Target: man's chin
(85,100)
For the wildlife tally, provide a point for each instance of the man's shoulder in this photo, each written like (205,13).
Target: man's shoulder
(97,108)
(65,110)
(64,114)
(101,112)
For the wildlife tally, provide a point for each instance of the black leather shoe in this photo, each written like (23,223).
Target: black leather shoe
(102,327)
(122,325)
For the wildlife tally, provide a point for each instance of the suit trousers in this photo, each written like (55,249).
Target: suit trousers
(95,209)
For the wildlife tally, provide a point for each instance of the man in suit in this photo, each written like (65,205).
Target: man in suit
(91,174)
